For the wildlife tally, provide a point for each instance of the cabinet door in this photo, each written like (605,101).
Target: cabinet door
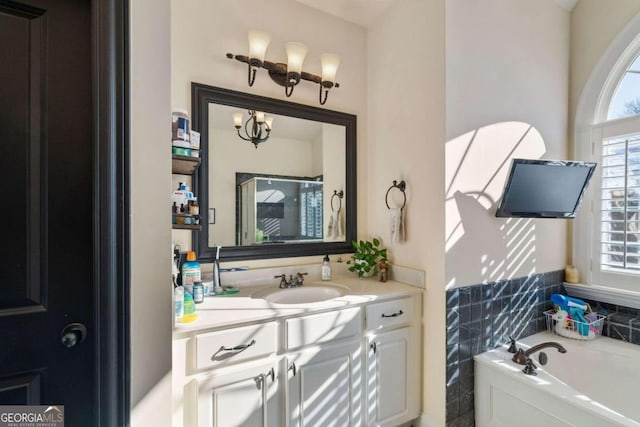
(393,371)
(245,396)
(324,386)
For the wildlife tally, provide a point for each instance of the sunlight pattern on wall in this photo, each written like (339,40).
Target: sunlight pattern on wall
(478,245)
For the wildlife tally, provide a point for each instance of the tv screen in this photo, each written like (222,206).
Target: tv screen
(544,188)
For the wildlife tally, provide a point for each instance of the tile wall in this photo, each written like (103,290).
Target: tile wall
(622,323)
(482,317)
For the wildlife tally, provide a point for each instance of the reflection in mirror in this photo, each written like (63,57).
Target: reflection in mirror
(284,187)
(272,210)
(274,192)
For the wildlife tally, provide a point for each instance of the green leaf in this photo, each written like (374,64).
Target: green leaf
(376,242)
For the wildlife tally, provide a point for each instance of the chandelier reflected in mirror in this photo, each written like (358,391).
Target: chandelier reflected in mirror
(256,129)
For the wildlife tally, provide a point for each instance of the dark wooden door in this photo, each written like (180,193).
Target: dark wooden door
(50,202)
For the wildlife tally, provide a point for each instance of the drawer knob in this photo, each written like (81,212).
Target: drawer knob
(396,314)
(262,378)
(292,368)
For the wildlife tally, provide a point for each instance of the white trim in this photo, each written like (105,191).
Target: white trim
(426,421)
(408,276)
(619,128)
(567,5)
(604,294)
(616,75)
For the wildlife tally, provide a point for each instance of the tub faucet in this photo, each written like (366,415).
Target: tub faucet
(522,356)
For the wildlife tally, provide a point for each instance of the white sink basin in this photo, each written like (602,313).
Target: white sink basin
(302,295)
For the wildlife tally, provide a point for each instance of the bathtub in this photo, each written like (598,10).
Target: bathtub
(594,384)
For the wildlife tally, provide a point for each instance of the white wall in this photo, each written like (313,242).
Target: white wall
(406,133)
(151,310)
(507,97)
(594,25)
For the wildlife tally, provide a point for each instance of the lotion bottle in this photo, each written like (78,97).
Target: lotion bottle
(325,271)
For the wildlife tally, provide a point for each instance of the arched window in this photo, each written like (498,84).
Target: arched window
(615,204)
(625,101)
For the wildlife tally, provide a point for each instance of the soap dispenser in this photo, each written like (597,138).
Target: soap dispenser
(326,268)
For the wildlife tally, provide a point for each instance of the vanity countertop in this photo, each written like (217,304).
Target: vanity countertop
(240,308)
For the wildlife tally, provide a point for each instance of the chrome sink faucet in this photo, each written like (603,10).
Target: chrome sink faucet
(294,282)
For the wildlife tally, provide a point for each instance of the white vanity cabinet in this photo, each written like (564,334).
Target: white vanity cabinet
(392,362)
(350,366)
(247,396)
(323,369)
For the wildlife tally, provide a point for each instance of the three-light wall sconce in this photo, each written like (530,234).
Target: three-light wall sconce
(289,74)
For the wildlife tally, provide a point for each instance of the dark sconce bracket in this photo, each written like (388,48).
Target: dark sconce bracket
(278,73)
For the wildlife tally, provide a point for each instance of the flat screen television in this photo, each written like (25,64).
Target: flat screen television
(544,188)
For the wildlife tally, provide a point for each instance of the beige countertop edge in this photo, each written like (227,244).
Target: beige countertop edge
(233,311)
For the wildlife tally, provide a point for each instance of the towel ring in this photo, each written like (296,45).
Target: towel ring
(400,186)
(339,195)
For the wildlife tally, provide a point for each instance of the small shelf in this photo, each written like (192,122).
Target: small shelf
(186,226)
(184,165)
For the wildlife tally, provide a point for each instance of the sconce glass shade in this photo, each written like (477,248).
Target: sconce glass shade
(258,43)
(330,63)
(295,57)
(268,121)
(237,120)
(259,115)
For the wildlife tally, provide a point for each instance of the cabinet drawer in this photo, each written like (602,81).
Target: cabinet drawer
(319,328)
(389,313)
(226,347)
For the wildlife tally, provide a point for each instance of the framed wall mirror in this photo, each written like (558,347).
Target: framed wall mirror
(282,183)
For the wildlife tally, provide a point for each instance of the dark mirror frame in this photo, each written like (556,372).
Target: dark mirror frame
(203,95)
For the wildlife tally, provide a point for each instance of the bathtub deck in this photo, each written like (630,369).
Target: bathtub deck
(593,384)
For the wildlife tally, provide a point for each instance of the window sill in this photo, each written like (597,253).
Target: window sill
(604,294)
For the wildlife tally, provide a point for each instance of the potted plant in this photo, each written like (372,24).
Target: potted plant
(367,255)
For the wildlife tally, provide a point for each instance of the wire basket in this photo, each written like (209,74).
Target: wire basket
(574,329)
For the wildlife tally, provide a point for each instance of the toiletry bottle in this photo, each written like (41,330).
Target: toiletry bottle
(194,209)
(190,314)
(179,302)
(191,272)
(198,292)
(326,268)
